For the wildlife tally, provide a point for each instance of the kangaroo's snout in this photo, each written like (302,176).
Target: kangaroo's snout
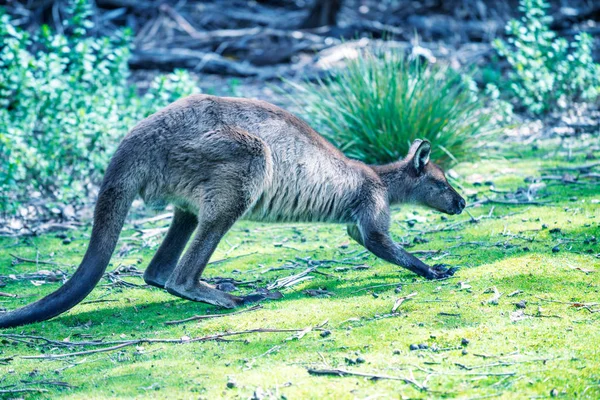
(453,206)
(460,206)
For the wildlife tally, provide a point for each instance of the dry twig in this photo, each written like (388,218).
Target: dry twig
(199,317)
(342,372)
(401,300)
(127,343)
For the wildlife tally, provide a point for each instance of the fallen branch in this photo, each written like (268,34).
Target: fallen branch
(581,168)
(6,360)
(49,276)
(48,382)
(585,271)
(127,343)
(563,179)
(231,258)
(342,372)
(199,61)
(209,38)
(82,353)
(12,391)
(28,260)
(292,279)
(470,368)
(345,261)
(15,336)
(400,284)
(574,304)
(510,202)
(180,20)
(99,301)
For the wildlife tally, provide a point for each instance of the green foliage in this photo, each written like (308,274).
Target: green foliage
(64,105)
(376,106)
(548,71)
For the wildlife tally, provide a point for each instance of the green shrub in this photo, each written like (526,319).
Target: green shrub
(376,106)
(548,71)
(64,105)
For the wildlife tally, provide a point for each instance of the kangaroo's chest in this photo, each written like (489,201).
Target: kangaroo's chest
(311,189)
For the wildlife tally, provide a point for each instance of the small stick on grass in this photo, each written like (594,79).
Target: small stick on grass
(470,368)
(231,258)
(6,360)
(447,314)
(585,167)
(199,317)
(342,372)
(401,300)
(473,219)
(399,284)
(48,382)
(82,353)
(12,391)
(28,260)
(571,303)
(100,301)
(183,340)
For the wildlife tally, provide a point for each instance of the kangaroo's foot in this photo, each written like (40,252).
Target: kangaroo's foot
(206,293)
(440,271)
(203,292)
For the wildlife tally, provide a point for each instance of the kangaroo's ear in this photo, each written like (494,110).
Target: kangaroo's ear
(419,153)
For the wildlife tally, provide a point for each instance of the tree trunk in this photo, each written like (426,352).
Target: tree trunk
(322,13)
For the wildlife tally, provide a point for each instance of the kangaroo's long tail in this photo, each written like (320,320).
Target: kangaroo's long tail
(117,193)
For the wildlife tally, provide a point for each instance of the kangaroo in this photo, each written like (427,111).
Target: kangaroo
(219,159)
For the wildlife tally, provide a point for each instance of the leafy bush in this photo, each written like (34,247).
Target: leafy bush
(376,106)
(64,105)
(548,71)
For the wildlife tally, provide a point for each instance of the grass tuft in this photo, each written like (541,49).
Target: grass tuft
(376,106)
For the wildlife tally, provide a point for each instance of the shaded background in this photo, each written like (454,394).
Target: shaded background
(230,42)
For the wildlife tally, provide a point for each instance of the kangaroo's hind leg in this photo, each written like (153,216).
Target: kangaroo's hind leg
(185,279)
(165,260)
(237,174)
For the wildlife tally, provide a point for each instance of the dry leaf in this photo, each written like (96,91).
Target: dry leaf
(401,300)
(518,315)
(494,299)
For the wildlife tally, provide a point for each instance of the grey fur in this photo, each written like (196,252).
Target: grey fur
(221,159)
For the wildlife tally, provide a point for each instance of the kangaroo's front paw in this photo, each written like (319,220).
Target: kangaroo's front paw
(441,271)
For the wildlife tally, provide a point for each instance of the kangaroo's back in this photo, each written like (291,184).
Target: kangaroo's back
(276,126)
(310,178)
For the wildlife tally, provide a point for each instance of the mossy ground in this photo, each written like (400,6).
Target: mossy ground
(548,348)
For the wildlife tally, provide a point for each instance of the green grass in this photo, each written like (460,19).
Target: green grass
(553,350)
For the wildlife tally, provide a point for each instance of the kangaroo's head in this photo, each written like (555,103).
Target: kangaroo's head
(416,179)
